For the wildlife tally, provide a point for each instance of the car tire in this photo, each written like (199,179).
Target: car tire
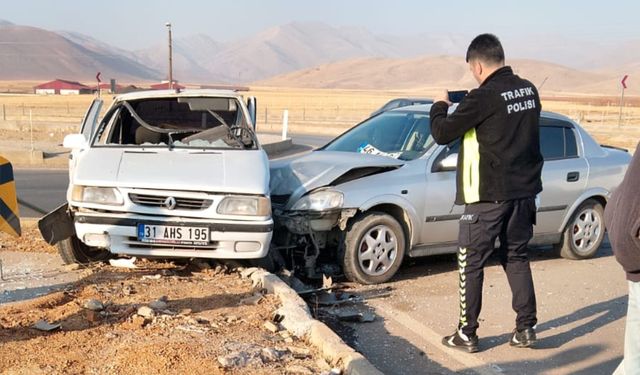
(374,249)
(72,250)
(584,232)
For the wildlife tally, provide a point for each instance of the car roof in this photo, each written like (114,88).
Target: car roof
(412,99)
(177,94)
(427,107)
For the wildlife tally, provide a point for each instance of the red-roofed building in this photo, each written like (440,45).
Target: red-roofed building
(106,87)
(62,87)
(165,86)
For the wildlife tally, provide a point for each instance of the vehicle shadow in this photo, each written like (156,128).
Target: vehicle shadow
(556,363)
(443,263)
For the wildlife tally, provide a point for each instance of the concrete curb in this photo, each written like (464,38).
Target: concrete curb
(297,319)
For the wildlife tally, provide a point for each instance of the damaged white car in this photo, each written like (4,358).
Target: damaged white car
(165,174)
(384,191)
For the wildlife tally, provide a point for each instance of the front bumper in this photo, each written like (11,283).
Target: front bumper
(227,239)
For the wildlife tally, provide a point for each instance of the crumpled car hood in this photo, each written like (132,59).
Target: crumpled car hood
(295,177)
(240,172)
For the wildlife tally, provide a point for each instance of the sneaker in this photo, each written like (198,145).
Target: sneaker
(460,341)
(524,338)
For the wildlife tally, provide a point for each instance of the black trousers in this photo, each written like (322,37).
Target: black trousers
(512,222)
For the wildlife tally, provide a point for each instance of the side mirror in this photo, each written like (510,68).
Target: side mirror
(75,142)
(252,106)
(448,164)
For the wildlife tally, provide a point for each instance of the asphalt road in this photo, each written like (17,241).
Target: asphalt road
(581,315)
(42,190)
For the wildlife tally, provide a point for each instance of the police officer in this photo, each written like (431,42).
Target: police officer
(498,178)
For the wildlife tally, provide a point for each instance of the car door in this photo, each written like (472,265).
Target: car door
(87,128)
(88,125)
(564,175)
(440,226)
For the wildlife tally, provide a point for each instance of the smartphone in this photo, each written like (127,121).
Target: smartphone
(456,96)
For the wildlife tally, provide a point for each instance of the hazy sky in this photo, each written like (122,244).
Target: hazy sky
(134,24)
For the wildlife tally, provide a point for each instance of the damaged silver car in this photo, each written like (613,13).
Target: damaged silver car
(384,191)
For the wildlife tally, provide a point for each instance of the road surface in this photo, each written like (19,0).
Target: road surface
(581,315)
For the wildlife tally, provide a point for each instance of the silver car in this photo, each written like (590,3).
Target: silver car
(384,190)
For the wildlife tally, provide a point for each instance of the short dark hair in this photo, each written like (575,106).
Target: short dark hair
(487,48)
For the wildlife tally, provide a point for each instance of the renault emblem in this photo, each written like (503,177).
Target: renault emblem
(170,203)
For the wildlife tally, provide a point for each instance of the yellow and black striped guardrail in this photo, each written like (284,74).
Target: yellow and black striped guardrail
(9,215)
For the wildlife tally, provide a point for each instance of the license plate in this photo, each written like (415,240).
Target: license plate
(170,234)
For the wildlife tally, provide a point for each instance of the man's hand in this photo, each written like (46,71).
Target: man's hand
(443,97)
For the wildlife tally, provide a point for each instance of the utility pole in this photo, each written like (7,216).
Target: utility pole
(168,25)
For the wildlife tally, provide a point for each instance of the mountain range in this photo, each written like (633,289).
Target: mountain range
(429,73)
(311,54)
(32,53)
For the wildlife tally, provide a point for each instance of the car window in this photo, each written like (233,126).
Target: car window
(90,119)
(396,134)
(557,139)
(571,146)
(552,142)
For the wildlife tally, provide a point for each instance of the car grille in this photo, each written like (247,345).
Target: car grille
(181,203)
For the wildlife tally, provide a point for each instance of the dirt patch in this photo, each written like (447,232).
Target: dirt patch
(161,318)
(30,242)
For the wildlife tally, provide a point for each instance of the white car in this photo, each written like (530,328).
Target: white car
(165,174)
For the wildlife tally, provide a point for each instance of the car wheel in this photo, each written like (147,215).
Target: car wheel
(374,249)
(584,233)
(72,250)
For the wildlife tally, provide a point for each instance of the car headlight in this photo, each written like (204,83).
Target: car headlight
(319,201)
(251,206)
(100,195)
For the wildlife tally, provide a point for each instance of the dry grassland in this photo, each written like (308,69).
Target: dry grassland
(323,111)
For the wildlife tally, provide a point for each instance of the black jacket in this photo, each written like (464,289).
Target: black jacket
(498,122)
(622,216)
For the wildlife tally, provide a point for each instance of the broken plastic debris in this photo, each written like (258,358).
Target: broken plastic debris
(356,317)
(152,277)
(327,282)
(43,325)
(123,262)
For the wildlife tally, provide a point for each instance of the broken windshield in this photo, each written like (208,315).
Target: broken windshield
(183,122)
(400,135)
